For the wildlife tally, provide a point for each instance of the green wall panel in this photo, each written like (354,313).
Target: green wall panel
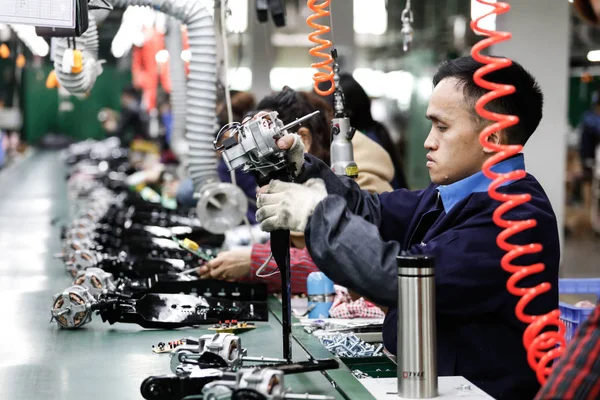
(40,105)
(580,97)
(46,111)
(422,65)
(81,122)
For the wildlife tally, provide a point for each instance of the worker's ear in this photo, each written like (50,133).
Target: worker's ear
(495,138)
(306,136)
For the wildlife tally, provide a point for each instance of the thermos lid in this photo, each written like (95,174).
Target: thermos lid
(420,265)
(318,283)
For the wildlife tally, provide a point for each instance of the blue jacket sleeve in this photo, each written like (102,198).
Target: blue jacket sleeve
(344,234)
(185,193)
(245,181)
(350,251)
(358,201)
(369,206)
(348,248)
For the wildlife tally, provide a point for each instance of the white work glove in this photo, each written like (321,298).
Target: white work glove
(289,205)
(296,150)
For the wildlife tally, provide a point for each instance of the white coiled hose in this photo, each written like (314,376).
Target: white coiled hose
(221,206)
(79,84)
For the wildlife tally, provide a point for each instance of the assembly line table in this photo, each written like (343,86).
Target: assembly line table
(38,360)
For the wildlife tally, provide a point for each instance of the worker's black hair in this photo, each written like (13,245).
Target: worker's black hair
(241,104)
(291,105)
(526,103)
(132,91)
(164,98)
(585,11)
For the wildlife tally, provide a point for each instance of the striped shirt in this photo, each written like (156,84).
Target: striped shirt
(301,265)
(577,374)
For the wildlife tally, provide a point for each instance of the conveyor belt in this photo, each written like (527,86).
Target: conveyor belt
(40,361)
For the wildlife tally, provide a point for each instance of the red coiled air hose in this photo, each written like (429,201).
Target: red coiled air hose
(320,10)
(541,347)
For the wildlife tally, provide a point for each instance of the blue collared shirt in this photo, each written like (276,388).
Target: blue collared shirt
(455,192)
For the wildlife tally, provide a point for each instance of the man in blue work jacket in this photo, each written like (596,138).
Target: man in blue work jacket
(354,237)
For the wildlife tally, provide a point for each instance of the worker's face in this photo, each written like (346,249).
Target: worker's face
(596,7)
(453,141)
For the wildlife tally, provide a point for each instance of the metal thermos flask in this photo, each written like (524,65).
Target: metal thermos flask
(417,346)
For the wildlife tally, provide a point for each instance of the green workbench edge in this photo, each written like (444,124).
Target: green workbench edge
(341,379)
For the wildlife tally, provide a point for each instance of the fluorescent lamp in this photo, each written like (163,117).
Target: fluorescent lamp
(162,56)
(295,78)
(370,17)
(237,22)
(240,78)
(186,55)
(36,44)
(399,86)
(424,87)
(594,56)
(372,80)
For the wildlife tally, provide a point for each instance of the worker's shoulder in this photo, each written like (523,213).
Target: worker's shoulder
(368,150)
(375,167)
(538,206)
(528,185)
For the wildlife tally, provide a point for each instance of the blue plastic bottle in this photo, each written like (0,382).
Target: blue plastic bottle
(320,295)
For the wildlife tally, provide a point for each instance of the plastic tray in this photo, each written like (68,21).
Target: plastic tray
(572,316)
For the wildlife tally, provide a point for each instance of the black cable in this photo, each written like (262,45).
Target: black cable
(280,248)
(240,50)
